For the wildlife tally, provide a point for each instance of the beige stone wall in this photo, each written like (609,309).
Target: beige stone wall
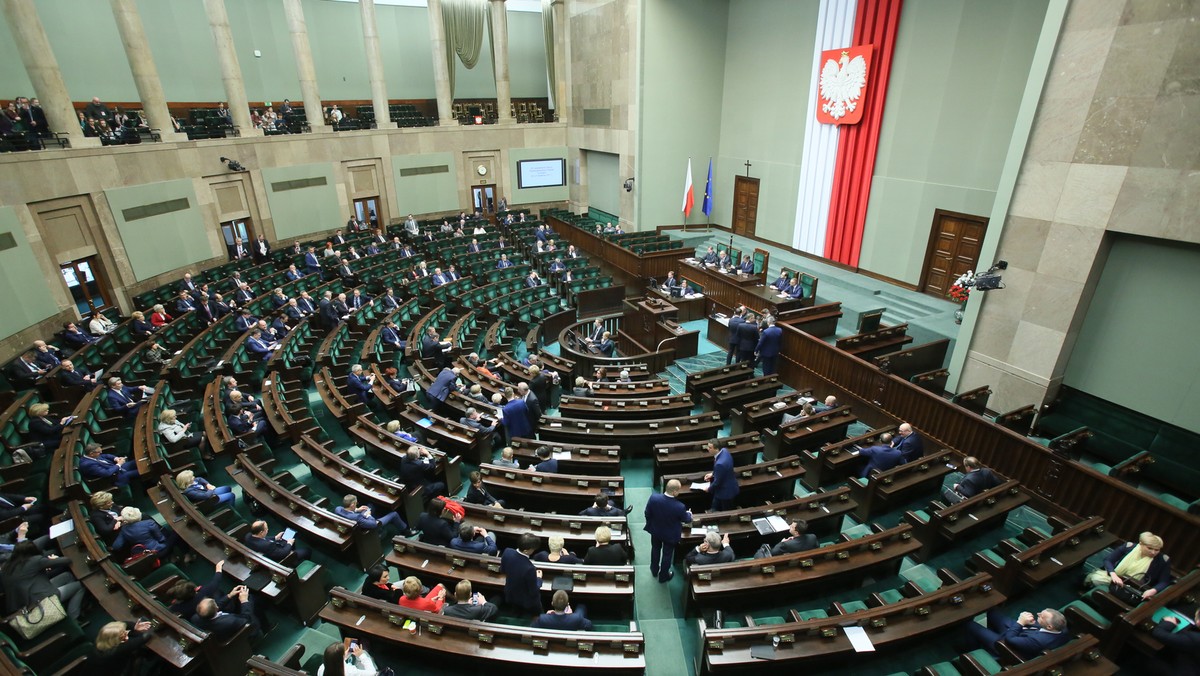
(31,179)
(604,53)
(1115,147)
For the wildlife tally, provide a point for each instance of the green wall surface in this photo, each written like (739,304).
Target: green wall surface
(302,211)
(83,35)
(1138,353)
(183,51)
(87,45)
(958,73)
(19,270)
(158,244)
(604,181)
(528,195)
(426,193)
(770,134)
(683,69)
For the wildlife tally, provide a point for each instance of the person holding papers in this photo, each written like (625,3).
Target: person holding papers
(723,485)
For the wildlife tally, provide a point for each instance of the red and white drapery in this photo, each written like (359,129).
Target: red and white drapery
(838,161)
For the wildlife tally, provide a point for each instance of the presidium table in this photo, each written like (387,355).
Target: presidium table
(729,290)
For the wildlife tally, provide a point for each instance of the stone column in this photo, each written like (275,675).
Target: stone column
(379,99)
(441,71)
(500,56)
(561,67)
(231,70)
(145,73)
(304,65)
(42,68)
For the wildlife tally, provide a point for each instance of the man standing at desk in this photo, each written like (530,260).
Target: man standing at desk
(665,517)
(747,341)
(733,338)
(723,485)
(768,346)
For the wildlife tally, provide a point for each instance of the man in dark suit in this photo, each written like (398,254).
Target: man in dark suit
(562,617)
(362,384)
(504,262)
(46,355)
(606,345)
(546,462)
(474,540)
(710,257)
(768,346)
(445,382)
(909,443)
(724,486)
(306,304)
(747,341)
(881,456)
(312,264)
(227,619)
(1182,646)
(186,596)
(437,524)
(714,549)
(734,337)
(418,468)
(798,540)
(28,508)
(516,418)
(603,506)
(976,480)
(327,314)
(665,517)
(747,266)
(126,399)
(72,378)
(522,579)
(469,605)
(25,371)
(1028,635)
(434,348)
(276,548)
(389,301)
(238,249)
(361,515)
(262,249)
(97,465)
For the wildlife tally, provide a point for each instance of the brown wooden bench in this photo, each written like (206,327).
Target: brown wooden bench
(696,384)
(764,413)
(568,493)
(885,490)
(624,408)
(635,437)
(874,343)
(822,512)
(837,461)
(585,458)
(693,456)
(769,480)
(726,397)
(455,643)
(1028,561)
(808,433)
(775,580)
(941,527)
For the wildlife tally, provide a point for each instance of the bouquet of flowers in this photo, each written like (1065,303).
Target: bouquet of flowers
(961,290)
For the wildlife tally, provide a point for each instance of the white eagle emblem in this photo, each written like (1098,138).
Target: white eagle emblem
(841,86)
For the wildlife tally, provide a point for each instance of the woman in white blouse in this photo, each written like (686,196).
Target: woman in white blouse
(100,325)
(341,660)
(179,435)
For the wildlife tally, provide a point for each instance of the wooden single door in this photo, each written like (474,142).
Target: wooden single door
(954,244)
(745,205)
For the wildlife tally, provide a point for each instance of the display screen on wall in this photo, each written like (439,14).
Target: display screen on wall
(549,173)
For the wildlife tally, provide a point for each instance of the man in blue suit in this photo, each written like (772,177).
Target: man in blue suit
(710,257)
(796,289)
(504,262)
(361,515)
(908,443)
(259,345)
(976,480)
(446,381)
(439,278)
(665,516)
(390,335)
(225,620)
(97,465)
(747,266)
(522,579)
(768,346)
(127,399)
(782,283)
(724,486)
(880,457)
(362,384)
(562,617)
(1028,635)
(474,539)
(312,265)
(546,460)
(516,418)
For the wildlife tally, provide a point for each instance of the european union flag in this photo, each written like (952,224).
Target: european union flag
(707,206)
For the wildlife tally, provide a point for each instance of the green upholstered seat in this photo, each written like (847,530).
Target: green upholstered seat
(985,660)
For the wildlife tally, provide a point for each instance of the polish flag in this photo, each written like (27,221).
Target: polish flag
(689,197)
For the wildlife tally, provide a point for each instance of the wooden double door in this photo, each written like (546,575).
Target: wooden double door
(954,245)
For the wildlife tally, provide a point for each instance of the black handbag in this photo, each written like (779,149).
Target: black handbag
(1127,593)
